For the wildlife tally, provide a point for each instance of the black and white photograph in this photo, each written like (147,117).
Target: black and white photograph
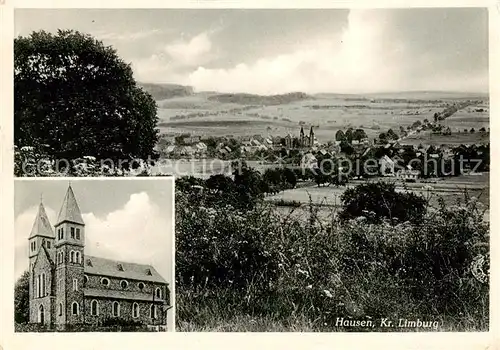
(332,166)
(94,256)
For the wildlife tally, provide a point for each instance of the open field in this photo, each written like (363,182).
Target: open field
(328,197)
(427,138)
(201,114)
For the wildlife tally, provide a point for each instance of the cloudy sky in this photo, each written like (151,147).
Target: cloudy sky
(125,220)
(276,51)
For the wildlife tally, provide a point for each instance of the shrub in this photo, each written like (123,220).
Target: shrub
(291,270)
(379,200)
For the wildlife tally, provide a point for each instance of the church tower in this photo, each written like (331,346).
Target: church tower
(69,258)
(41,235)
(311,137)
(41,254)
(301,136)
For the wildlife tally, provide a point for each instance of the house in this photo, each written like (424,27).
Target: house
(255,143)
(170,149)
(386,166)
(308,161)
(408,174)
(67,286)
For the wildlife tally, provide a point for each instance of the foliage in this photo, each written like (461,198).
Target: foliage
(77,97)
(379,200)
(256,264)
(22,299)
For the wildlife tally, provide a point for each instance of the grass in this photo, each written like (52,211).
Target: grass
(265,270)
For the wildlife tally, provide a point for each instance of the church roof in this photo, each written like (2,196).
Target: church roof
(69,209)
(41,226)
(119,269)
(119,294)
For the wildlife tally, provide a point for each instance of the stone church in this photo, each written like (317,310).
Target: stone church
(69,287)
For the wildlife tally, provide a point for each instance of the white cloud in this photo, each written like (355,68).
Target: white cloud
(138,232)
(361,57)
(368,56)
(192,52)
(168,64)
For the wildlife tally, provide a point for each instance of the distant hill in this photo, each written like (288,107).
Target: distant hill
(250,99)
(166,91)
(406,95)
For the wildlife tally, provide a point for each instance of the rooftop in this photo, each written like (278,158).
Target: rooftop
(119,269)
(69,209)
(41,226)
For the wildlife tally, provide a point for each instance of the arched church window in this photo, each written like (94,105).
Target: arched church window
(72,256)
(135,310)
(42,291)
(116,309)
(60,309)
(141,285)
(152,311)
(124,284)
(85,280)
(105,281)
(158,292)
(75,308)
(94,308)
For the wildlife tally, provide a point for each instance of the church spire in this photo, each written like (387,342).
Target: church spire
(70,211)
(41,226)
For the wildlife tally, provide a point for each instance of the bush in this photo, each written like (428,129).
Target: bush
(379,200)
(258,264)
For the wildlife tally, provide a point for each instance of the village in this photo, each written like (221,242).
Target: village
(391,154)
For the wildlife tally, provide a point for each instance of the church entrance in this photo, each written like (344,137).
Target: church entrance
(41,316)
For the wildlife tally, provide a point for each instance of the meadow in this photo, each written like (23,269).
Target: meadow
(199,114)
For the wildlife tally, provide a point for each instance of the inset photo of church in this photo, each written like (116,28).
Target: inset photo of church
(94,255)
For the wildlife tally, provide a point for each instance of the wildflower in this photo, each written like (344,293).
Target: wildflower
(328,294)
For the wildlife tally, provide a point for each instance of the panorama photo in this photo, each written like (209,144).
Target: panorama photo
(332,165)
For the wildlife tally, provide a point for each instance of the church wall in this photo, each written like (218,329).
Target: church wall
(94,281)
(74,296)
(42,266)
(47,303)
(106,311)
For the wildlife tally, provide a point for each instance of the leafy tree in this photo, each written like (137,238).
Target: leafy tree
(472,130)
(416,124)
(379,200)
(349,135)
(220,183)
(22,298)
(79,98)
(359,134)
(391,135)
(290,177)
(340,136)
(346,147)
